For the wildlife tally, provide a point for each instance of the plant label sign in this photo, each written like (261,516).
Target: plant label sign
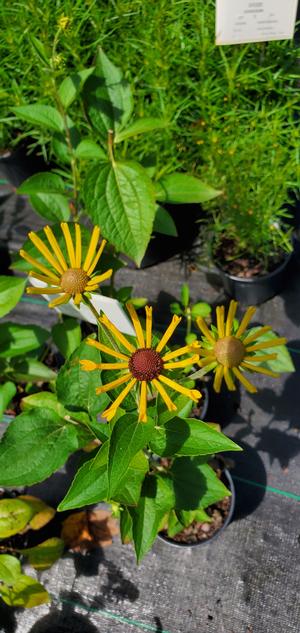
(242,21)
(111,307)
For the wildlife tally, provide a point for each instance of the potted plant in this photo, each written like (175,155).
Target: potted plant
(151,458)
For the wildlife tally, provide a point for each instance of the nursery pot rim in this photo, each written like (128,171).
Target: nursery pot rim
(256,278)
(169,541)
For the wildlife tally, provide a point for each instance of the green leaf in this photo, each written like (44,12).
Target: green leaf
(40,50)
(25,592)
(175,308)
(67,336)
(141,126)
(11,290)
(128,437)
(7,391)
(129,489)
(185,295)
(18,339)
(183,188)
(89,150)
(189,437)
(164,223)
(283,363)
(76,388)
(45,554)
(14,516)
(41,115)
(89,484)
(31,370)
(36,443)
(10,568)
(156,499)
(200,309)
(41,513)
(125,526)
(71,86)
(107,96)
(44,182)
(120,198)
(52,206)
(196,484)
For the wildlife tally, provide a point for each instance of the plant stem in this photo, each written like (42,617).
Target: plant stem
(101,326)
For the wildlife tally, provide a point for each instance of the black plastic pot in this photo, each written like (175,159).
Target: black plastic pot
(229,483)
(256,289)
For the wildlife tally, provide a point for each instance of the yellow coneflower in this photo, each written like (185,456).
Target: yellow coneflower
(143,364)
(229,354)
(73,279)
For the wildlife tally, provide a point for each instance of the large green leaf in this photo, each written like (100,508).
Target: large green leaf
(7,391)
(129,489)
(107,96)
(36,443)
(89,484)
(141,126)
(44,182)
(189,437)
(76,388)
(10,568)
(67,336)
(11,290)
(52,206)
(183,188)
(42,556)
(31,370)
(25,592)
(14,516)
(71,86)
(18,339)
(196,484)
(128,437)
(41,115)
(156,499)
(120,198)
(164,223)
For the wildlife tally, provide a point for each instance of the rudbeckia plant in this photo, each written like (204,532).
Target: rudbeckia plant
(130,398)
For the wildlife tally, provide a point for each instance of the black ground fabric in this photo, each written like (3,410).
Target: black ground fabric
(245,581)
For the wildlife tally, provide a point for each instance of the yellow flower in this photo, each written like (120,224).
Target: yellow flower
(73,279)
(63,22)
(229,354)
(143,364)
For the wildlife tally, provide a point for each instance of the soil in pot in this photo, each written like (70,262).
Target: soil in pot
(250,285)
(245,267)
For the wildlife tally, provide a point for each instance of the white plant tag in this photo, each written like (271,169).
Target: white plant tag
(111,307)
(242,21)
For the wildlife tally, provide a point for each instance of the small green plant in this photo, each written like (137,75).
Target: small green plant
(19,516)
(189,311)
(96,176)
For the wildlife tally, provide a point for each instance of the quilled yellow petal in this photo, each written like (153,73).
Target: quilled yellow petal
(44,250)
(113,384)
(92,248)
(205,331)
(245,320)
(69,244)
(143,402)
(136,324)
(219,373)
(114,406)
(247,384)
(55,247)
(97,257)
(117,334)
(148,311)
(106,350)
(37,265)
(168,333)
(166,398)
(231,314)
(194,394)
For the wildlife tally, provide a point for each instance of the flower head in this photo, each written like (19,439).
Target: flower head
(143,366)
(69,274)
(229,353)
